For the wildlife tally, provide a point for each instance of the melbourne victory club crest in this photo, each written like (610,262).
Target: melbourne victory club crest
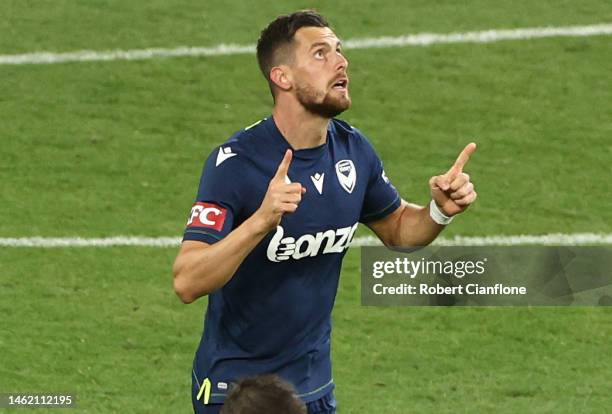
(347,175)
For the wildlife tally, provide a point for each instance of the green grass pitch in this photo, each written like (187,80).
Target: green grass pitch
(109,148)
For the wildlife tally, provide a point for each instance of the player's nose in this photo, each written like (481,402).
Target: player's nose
(342,62)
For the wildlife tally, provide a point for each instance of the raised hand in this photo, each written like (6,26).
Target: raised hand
(453,192)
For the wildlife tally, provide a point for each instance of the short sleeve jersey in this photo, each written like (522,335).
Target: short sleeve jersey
(274,314)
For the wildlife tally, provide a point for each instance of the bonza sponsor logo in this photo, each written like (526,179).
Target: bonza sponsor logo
(309,245)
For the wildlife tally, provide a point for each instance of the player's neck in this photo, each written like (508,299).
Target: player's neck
(300,128)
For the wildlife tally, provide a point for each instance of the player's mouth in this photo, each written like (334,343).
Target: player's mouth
(341,84)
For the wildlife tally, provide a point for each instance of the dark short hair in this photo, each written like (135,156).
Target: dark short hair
(264,394)
(280,34)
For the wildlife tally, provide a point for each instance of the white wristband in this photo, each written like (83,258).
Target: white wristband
(437,215)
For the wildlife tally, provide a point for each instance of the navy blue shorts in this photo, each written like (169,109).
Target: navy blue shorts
(324,405)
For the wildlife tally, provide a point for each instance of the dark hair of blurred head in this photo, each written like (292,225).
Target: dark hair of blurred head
(265,394)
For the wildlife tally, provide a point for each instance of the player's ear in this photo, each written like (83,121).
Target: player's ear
(281,77)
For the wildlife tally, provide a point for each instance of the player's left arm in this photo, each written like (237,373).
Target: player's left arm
(412,225)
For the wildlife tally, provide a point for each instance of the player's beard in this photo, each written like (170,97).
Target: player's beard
(325,104)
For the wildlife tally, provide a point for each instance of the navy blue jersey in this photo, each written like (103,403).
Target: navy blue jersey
(274,315)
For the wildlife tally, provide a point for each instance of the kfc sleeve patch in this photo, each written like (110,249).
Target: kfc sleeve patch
(207,215)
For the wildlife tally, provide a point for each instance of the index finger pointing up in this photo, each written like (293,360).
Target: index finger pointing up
(283,167)
(464,157)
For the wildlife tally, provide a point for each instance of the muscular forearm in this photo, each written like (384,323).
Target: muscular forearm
(198,272)
(415,227)
(412,226)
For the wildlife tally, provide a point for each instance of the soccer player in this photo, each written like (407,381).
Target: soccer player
(277,206)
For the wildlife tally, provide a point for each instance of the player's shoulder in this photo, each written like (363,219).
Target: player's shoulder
(242,136)
(235,150)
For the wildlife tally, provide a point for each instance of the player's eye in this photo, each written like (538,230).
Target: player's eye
(319,54)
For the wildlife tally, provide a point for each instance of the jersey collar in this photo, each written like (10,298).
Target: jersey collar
(280,142)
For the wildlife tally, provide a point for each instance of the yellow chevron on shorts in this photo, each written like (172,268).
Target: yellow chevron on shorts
(205,389)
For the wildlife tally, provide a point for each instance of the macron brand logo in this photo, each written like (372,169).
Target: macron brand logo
(224,154)
(317,180)
(309,245)
(207,215)
(347,175)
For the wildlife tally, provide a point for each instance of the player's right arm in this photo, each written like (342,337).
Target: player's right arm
(201,268)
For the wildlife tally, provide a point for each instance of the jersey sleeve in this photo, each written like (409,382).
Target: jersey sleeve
(381,197)
(217,203)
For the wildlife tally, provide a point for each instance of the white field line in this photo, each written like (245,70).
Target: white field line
(557,239)
(421,39)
